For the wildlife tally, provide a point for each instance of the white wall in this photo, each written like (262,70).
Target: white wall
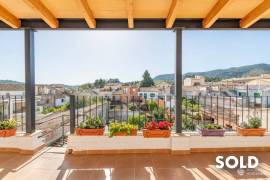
(184,142)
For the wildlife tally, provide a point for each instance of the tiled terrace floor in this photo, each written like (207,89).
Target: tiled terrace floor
(53,164)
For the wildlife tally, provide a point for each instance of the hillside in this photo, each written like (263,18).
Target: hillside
(9,82)
(242,71)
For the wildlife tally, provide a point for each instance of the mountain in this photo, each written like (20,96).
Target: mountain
(233,72)
(9,82)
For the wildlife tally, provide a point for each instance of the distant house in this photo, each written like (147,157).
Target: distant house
(165,88)
(263,79)
(149,93)
(194,81)
(52,100)
(42,89)
(112,86)
(11,89)
(12,100)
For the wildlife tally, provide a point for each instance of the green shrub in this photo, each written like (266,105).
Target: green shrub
(211,126)
(121,127)
(92,123)
(253,122)
(8,124)
(132,107)
(137,120)
(152,105)
(47,110)
(159,114)
(187,123)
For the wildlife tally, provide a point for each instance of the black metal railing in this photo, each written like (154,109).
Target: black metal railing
(132,109)
(13,107)
(227,111)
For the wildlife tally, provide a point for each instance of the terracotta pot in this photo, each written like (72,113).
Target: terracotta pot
(133,133)
(156,133)
(7,132)
(250,132)
(90,132)
(212,132)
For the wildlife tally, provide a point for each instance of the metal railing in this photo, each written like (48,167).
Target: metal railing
(122,108)
(13,107)
(227,111)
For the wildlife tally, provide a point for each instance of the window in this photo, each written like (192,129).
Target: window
(145,95)
(152,95)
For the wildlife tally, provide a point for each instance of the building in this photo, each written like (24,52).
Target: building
(12,89)
(194,81)
(149,93)
(263,79)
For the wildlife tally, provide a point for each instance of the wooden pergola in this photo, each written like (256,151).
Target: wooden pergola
(125,14)
(134,13)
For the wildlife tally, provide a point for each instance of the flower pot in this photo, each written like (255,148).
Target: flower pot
(250,132)
(90,132)
(157,133)
(7,132)
(212,132)
(133,133)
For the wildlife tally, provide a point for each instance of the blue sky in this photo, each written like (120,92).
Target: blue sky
(75,57)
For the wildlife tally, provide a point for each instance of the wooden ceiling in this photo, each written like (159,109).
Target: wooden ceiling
(248,12)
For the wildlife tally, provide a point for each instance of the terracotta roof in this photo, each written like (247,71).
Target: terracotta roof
(11,87)
(148,89)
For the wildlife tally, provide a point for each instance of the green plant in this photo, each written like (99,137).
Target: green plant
(8,124)
(187,123)
(132,107)
(47,110)
(121,127)
(92,123)
(211,126)
(137,120)
(253,122)
(152,105)
(159,114)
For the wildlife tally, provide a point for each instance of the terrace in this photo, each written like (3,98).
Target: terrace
(185,154)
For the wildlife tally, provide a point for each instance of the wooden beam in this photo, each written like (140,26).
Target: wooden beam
(214,13)
(9,18)
(44,12)
(87,13)
(256,14)
(172,14)
(130,14)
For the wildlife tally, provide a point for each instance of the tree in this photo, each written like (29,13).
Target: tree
(147,80)
(99,83)
(116,80)
(86,86)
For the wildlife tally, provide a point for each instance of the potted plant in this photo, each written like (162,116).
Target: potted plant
(91,127)
(8,128)
(251,128)
(211,130)
(155,129)
(122,129)
(159,114)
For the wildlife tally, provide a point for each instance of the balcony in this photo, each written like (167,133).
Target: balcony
(52,163)
(227,111)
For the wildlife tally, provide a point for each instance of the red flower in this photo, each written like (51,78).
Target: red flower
(163,125)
